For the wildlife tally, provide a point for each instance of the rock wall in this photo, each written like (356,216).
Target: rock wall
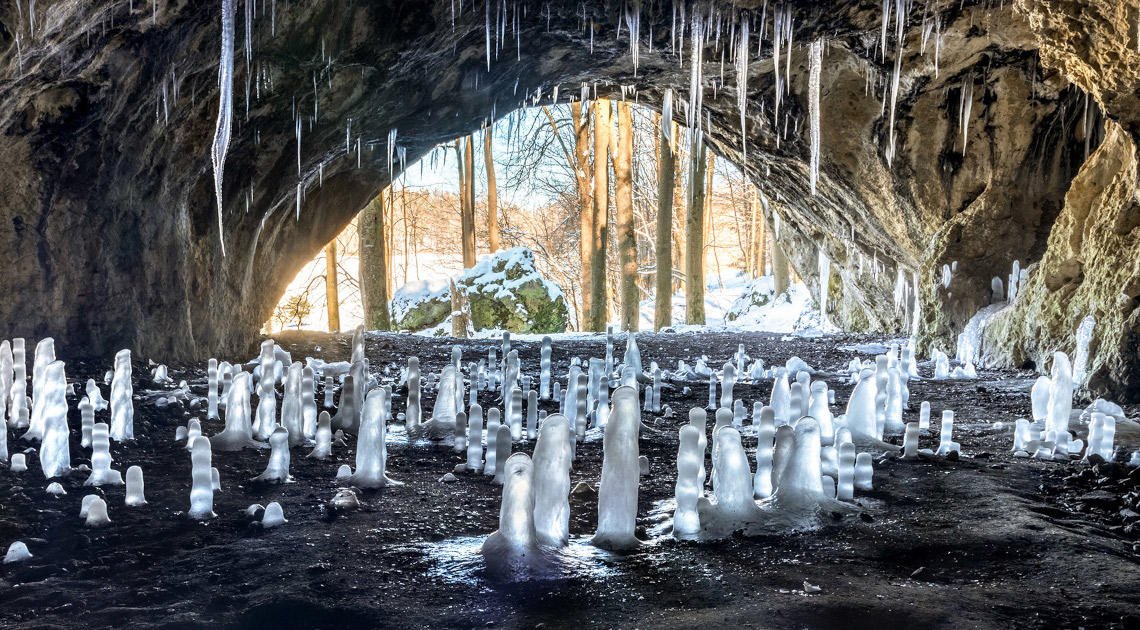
(107,116)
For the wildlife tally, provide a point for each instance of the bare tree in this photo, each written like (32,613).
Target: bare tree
(623,202)
(695,234)
(331,293)
(374,264)
(492,193)
(666,171)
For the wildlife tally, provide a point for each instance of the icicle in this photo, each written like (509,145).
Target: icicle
(693,116)
(742,86)
(225,108)
(667,115)
(813,108)
(964,107)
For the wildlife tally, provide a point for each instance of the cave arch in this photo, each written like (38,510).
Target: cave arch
(108,143)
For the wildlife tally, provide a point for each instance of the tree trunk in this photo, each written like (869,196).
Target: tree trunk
(468,218)
(492,194)
(695,236)
(623,201)
(779,267)
(581,167)
(374,270)
(663,292)
(600,229)
(331,294)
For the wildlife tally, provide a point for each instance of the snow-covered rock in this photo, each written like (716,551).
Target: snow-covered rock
(505,290)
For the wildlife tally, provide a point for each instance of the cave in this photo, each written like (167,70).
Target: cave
(962,175)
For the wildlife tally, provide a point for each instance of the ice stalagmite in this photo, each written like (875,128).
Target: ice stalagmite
(699,419)
(864,472)
(6,361)
(781,401)
(531,414)
(514,546)
(17,552)
(273,516)
(502,452)
(266,393)
(413,414)
(291,417)
(346,410)
(845,486)
(122,403)
(1060,394)
(371,452)
(17,396)
(765,436)
(544,367)
(212,390)
(492,437)
(686,520)
(55,456)
(277,470)
(728,380)
(475,439)
(552,482)
(861,408)
(225,109)
(633,354)
(323,438)
(924,416)
(19,463)
(202,490)
(101,472)
(308,403)
(1040,398)
(97,513)
(712,391)
(45,355)
(459,440)
(135,495)
(238,433)
(894,409)
(617,495)
(800,484)
(514,414)
(910,440)
(947,443)
(819,409)
(442,423)
(734,507)
(87,422)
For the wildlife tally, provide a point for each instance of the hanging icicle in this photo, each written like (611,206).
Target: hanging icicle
(815,65)
(225,109)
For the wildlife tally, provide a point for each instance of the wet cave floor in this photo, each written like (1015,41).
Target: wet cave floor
(987,541)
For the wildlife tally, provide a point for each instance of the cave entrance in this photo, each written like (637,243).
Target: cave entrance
(525,168)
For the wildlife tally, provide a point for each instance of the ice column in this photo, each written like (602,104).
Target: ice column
(686,520)
(845,488)
(532,414)
(728,380)
(765,435)
(238,433)
(552,482)
(413,414)
(861,409)
(475,439)
(323,449)
(55,456)
(947,443)
(863,471)
(202,490)
(212,390)
(87,422)
(617,495)
(1060,394)
(502,452)
(781,398)
(291,417)
(371,452)
(799,482)
(135,494)
(122,403)
(733,485)
(266,393)
(515,544)
(910,441)
(277,471)
(101,472)
(544,366)
(492,438)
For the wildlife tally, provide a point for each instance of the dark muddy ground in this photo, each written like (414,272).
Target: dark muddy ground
(987,541)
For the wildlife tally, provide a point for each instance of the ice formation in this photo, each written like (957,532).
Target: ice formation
(97,513)
(202,490)
(1060,395)
(728,381)
(492,437)
(862,408)
(95,396)
(413,415)
(864,471)
(552,482)
(475,439)
(910,441)
(17,552)
(371,452)
(122,403)
(733,507)
(323,437)
(346,410)
(277,470)
(101,472)
(86,422)
(51,402)
(135,494)
(800,486)
(225,110)
(266,393)
(617,495)
(514,546)
(698,419)
(924,416)
(238,433)
(18,464)
(56,489)
(765,437)
(781,398)
(845,482)
(544,367)
(308,403)
(946,443)
(273,516)
(686,519)
(502,452)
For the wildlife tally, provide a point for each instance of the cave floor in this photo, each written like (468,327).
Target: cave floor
(988,541)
